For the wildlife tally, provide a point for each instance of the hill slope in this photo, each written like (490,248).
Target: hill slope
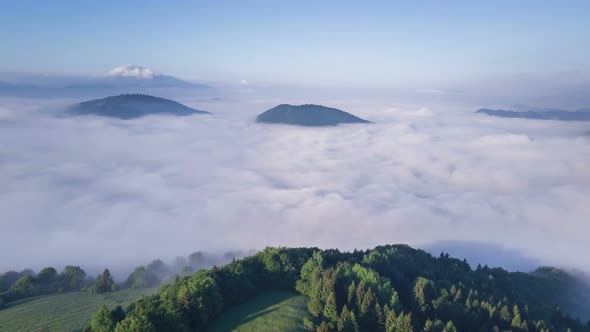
(307,115)
(62,312)
(132,106)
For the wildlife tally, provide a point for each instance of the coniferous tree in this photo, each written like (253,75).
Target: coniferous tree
(404,323)
(450,327)
(330,310)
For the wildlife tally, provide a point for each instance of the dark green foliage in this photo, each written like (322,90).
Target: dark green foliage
(104,283)
(9,278)
(25,284)
(72,278)
(47,280)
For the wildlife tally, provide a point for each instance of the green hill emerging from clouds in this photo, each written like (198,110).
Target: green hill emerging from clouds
(307,115)
(131,106)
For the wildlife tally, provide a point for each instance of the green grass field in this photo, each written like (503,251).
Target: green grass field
(62,312)
(272,311)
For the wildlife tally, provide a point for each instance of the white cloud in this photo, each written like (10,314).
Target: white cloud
(244,82)
(111,191)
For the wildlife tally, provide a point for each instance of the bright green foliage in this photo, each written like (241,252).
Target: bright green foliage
(450,327)
(134,323)
(404,323)
(24,287)
(424,294)
(390,319)
(505,314)
(102,321)
(330,310)
(395,302)
(517,321)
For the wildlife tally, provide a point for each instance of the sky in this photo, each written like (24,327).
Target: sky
(423,44)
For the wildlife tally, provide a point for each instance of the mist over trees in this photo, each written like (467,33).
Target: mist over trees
(19,285)
(389,288)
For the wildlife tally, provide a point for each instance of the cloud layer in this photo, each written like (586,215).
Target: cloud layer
(104,191)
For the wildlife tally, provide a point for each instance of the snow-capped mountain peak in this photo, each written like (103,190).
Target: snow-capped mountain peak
(133,72)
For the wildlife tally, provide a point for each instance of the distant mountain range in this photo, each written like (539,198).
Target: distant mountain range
(540,114)
(135,76)
(131,106)
(307,115)
(124,79)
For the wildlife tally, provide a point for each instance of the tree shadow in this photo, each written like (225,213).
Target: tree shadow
(252,309)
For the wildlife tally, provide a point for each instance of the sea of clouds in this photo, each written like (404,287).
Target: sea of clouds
(106,192)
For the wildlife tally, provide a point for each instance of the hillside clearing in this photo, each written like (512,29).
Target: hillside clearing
(271,311)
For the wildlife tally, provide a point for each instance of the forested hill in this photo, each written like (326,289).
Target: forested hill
(307,115)
(389,288)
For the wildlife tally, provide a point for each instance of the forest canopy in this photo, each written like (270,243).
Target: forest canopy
(388,288)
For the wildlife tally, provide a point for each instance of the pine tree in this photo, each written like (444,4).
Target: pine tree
(344,322)
(355,324)
(450,327)
(360,294)
(351,292)
(315,304)
(505,314)
(424,293)
(380,317)
(396,304)
(404,323)
(390,318)
(517,320)
(323,327)
(367,303)
(330,310)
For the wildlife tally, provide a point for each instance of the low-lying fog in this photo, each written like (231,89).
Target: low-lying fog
(105,192)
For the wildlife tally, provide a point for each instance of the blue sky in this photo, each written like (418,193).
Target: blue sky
(336,43)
